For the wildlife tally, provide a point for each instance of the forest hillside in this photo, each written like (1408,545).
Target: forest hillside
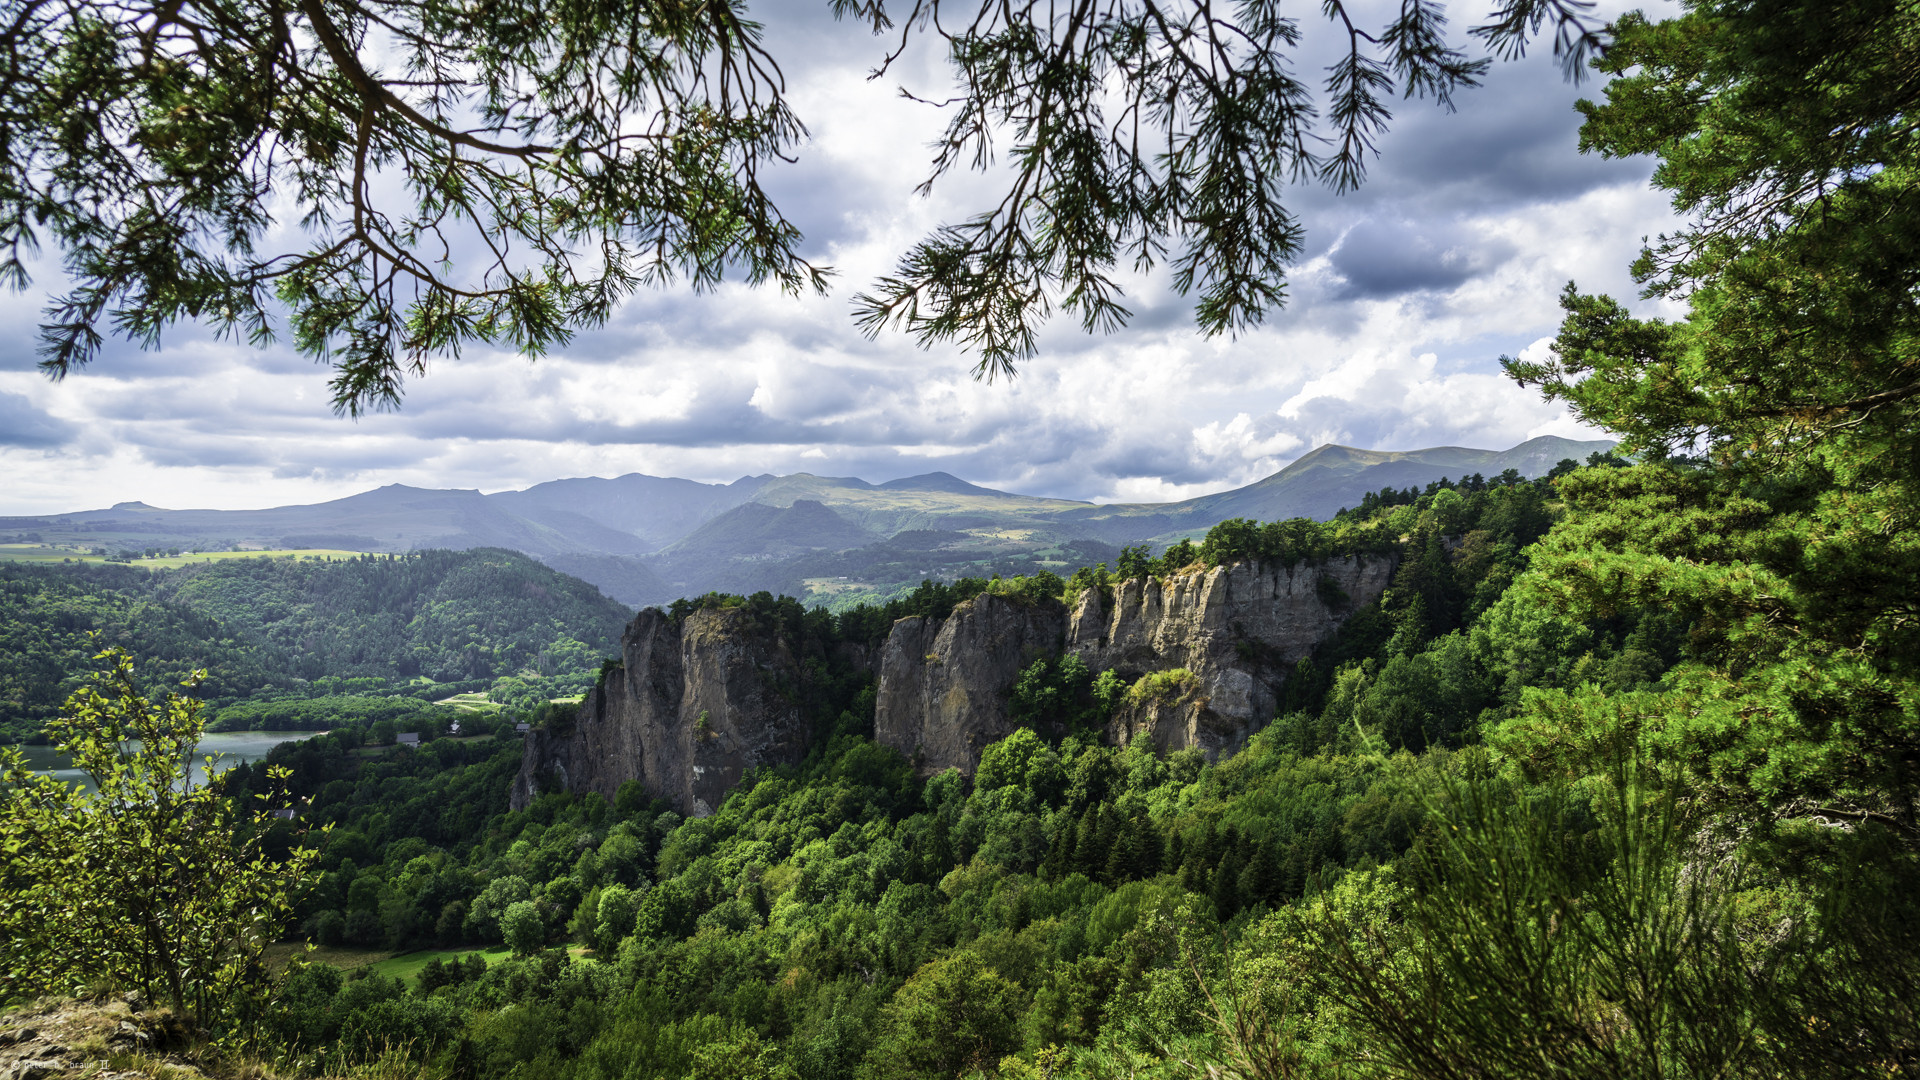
(283,638)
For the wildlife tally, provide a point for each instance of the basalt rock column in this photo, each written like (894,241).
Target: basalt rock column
(693,705)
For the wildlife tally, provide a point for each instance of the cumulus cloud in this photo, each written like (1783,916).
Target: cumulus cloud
(1407,291)
(25,425)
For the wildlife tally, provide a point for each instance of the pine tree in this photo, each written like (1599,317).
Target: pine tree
(1260,881)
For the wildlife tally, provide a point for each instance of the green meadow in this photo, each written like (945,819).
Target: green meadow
(43,553)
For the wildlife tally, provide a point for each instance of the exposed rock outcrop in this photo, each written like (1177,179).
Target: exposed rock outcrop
(1239,629)
(115,1038)
(1175,720)
(698,702)
(694,704)
(943,683)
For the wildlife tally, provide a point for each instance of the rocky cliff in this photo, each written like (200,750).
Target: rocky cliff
(943,683)
(696,703)
(1238,629)
(693,705)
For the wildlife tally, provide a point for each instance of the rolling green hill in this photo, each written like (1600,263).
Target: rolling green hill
(268,628)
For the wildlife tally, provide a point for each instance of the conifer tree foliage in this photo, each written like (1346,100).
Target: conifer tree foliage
(1789,533)
(401,179)
(1775,508)
(1141,133)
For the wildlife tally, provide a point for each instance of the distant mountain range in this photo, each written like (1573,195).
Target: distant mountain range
(647,539)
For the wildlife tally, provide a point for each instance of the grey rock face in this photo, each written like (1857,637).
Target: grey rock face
(1175,722)
(943,684)
(694,705)
(698,703)
(1240,629)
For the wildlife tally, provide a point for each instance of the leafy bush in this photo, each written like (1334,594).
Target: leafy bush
(150,881)
(1040,587)
(1168,685)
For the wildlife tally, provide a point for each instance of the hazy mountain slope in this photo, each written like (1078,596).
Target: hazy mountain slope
(735,551)
(758,529)
(773,529)
(568,532)
(391,518)
(395,518)
(1328,478)
(934,501)
(940,481)
(625,578)
(656,510)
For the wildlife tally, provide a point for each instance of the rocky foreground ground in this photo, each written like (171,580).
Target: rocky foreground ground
(118,1038)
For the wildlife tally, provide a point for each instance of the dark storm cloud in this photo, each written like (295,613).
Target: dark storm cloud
(26,425)
(1511,143)
(1383,259)
(1165,458)
(1514,141)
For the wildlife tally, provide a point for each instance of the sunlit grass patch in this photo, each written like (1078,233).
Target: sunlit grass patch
(473,701)
(44,553)
(407,966)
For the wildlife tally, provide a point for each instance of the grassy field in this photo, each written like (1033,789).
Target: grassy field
(474,701)
(833,586)
(43,553)
(346,959)
(407,965)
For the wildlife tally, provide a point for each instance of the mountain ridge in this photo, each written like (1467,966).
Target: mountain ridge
(646,539)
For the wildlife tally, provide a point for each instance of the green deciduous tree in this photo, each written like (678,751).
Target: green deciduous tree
(955,1014)
(613,917)
(522,928)
(151,881)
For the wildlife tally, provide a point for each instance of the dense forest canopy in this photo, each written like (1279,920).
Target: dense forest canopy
(835,919)
(284,640)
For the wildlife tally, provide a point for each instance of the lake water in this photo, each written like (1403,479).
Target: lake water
(228,748)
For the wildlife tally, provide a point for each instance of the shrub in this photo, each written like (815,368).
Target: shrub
(150,881)
(1162,686)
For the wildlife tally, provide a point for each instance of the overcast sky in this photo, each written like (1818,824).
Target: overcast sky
(1408,292)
